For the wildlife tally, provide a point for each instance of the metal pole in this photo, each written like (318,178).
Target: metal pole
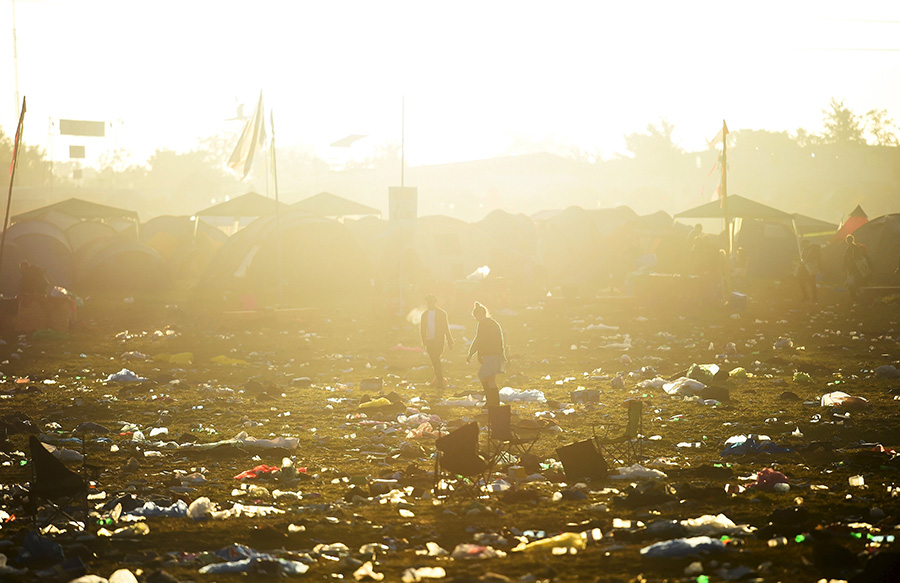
(402,138)
(15,55)
(728,231)
(277,212)
(12,177)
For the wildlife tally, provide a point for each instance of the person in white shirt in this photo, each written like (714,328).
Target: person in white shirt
(434,329)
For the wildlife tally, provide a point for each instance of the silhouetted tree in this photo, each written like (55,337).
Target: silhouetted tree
(33,168)
(655,144)
(881,128)
(842,126)
(805,139)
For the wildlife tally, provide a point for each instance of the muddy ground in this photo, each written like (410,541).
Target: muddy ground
(299,374)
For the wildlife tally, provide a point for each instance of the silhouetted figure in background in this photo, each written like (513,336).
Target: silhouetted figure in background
(705,261)
(32,280)
(808,270)
(857,266)
(433,329)
(488,345)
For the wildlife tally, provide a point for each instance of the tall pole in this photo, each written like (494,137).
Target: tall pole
(277,210)
(15,56)
(728,230)
(12,177)
(402,138)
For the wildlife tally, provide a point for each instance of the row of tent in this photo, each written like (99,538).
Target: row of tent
(302,252)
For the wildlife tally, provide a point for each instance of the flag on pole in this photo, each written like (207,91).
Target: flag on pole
(252,138)
(15,154)
(720,137)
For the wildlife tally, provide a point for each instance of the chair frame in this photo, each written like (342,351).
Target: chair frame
(628,447)
(450,481)
(504,438)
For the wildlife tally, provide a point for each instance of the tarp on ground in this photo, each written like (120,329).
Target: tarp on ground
(326,204)
(251,204)
(739,207)
(80,209)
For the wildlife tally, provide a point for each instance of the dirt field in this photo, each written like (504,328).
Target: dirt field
(366,483)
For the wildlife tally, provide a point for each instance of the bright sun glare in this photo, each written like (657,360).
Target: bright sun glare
(479,79)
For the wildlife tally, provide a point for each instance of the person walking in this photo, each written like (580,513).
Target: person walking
(808,270)
(857,267)
(488,345)
(434,329)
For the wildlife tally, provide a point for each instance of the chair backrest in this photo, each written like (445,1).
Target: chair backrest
(52,478)
(459,450)
(635,410)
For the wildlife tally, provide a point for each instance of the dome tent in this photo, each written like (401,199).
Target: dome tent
(320,260)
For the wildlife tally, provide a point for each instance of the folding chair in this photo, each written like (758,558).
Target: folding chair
(505,440)
(629,446)
(459,468)
(55,486)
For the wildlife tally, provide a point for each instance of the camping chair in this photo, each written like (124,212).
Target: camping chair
(506,441)
(458,467)
(55,486)
(629,446)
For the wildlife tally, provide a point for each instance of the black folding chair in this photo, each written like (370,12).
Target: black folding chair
(458,467)
(627,447)
(506,442)
(55,487)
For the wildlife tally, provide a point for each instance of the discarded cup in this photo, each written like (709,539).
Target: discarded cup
(857,481)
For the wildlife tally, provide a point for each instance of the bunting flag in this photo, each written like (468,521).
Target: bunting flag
(252,138)
(15,154)
(720,137)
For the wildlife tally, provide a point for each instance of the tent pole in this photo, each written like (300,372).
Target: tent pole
(277,210)
(728,225)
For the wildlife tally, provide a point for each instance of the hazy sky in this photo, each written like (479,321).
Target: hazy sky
(478,76)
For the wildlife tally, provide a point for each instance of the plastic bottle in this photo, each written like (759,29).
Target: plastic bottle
(566,542)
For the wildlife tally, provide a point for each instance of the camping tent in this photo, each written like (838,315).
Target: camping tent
(326,204)
(881,237)
(83,232)
(739,207)
(810,228)
(81,210)
(512,253)
(320,260)
(119,265)
(185,251)
(856,219)
(41,243)
(246,206)
(573,245)
(766,234)
(250,204)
